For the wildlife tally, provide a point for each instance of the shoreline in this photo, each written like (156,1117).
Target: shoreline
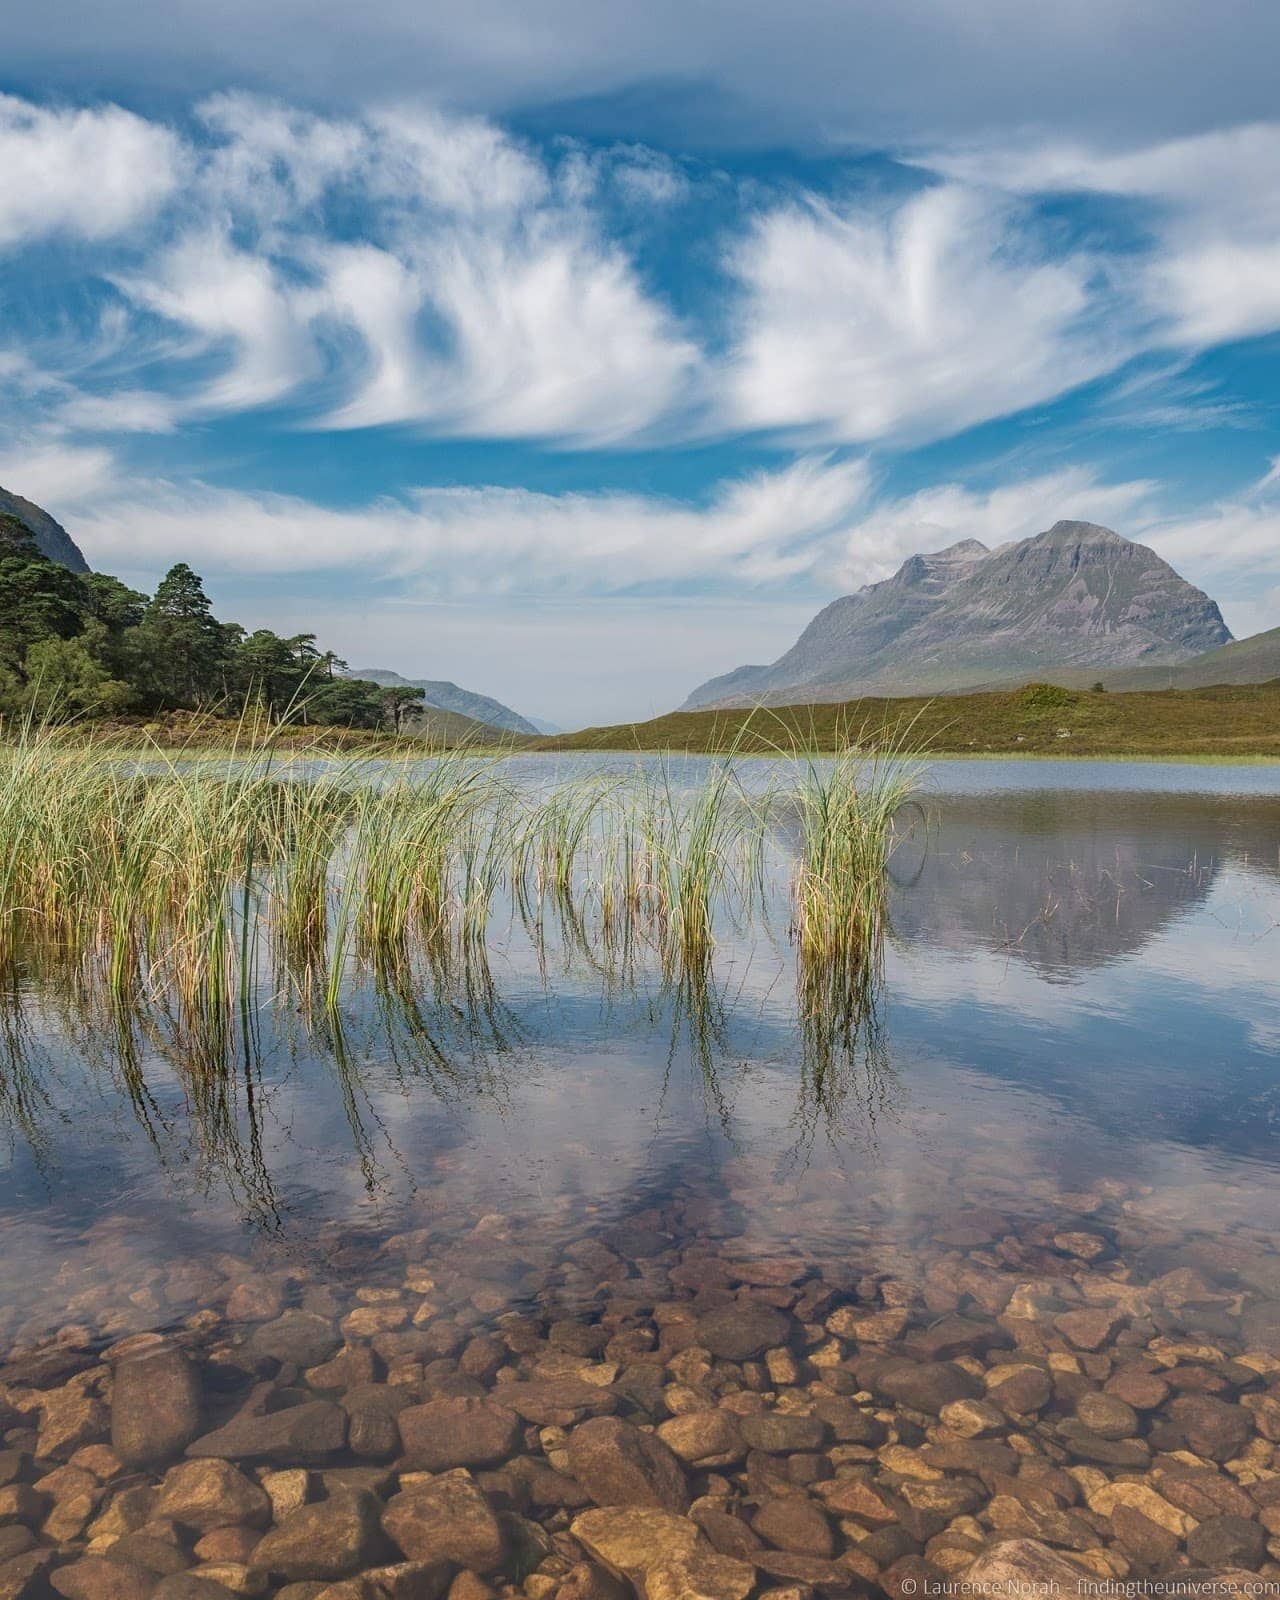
(388,747)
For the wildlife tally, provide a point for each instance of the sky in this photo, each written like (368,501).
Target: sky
(580,352)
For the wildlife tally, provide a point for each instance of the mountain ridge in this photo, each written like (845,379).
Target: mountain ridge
(52,539)
(1077,596)
(1252,660)
(445,695)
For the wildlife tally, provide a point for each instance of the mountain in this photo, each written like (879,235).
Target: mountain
(447,696)
(1075,597)
(52,538)
(1252,660)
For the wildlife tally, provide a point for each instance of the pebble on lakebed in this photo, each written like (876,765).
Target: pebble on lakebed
(667,1408)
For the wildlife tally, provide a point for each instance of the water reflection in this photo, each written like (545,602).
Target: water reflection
(1076,985)
(1070,881)
(1023,1162)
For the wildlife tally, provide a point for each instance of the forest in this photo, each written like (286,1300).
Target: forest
(85,645)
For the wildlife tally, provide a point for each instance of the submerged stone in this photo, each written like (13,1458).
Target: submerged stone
(313,1431)
(462,1432)
(155,1406)
(331,1539)
(617,1464)
(448,1519)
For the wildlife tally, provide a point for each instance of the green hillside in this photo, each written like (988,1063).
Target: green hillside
(1224,721)
(1253,660)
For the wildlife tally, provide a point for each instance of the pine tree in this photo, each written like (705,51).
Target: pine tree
(185,647)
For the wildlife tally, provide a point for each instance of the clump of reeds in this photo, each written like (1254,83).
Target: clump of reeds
(185,881)
(848,811)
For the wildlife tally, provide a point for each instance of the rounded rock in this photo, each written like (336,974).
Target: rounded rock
(743,1330)
(1107,1416)
(155,1406)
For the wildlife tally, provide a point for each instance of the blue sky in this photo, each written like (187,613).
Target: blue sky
(580,356)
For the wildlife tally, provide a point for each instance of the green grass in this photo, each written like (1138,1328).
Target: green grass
(1227,722)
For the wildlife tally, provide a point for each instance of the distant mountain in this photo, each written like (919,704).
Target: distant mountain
(447,696)
(52,538)
(1075,597)
(1252,660)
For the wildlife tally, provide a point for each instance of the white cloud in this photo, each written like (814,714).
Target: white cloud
(648,177)
(122,411)
(418,267)
(1212,271)
(495,305)
(52,472)
(762,529)
(460,165)
(271,161)
(233,302)
(1218,291)
(481,297)
(1231,549)
(540,331)
(85,173)
(927,316)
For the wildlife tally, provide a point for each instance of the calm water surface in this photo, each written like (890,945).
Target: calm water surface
(1043,1168)
(1081,985)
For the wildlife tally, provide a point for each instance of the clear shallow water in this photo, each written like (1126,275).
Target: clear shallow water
(1078,1030)
(1082,973)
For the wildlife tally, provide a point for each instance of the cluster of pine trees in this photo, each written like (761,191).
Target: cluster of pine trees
(84,644)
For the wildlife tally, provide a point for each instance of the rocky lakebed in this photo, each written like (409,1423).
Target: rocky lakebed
(654,1408)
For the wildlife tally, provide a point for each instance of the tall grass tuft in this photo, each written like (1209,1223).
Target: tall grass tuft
(849,814)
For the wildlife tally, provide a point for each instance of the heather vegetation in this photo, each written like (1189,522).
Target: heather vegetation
(1228,722)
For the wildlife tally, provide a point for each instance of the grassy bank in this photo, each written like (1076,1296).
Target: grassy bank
(202,731)
(1225,722)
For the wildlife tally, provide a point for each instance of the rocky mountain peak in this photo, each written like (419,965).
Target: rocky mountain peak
(1066,531)
(1078,596)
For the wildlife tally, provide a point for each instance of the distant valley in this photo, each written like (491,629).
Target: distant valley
(446,709)
(446,696)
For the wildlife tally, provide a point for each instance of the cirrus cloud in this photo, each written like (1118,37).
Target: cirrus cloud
(919,318)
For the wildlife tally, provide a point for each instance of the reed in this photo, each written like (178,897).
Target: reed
(849,814)
(186,883)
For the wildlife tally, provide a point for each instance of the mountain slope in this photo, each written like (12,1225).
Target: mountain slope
(1252,660)
(52,538)
(447,696)
(1077,595)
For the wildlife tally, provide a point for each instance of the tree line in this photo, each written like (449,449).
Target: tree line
(86,645)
